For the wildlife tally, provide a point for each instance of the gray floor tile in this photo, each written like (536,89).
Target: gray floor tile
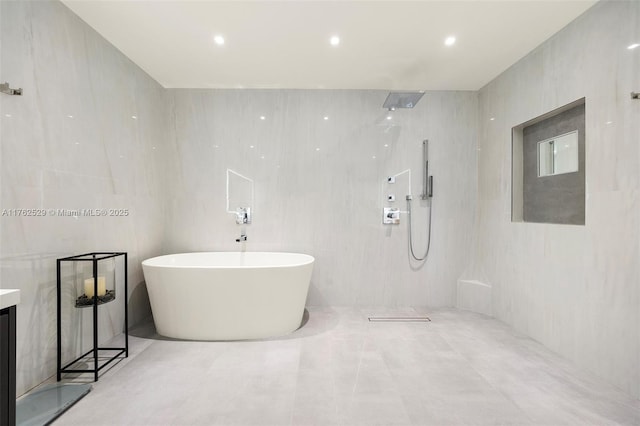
(340,369)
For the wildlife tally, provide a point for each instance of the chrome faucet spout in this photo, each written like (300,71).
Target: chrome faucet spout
(243,238)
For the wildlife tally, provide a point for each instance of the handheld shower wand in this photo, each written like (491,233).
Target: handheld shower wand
(427,181)
(427,193)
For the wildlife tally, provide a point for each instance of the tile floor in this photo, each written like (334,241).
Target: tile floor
(339,369)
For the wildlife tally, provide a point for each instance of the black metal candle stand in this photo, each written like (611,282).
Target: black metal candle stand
(94,302)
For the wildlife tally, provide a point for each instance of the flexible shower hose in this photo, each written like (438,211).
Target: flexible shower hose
(410,231)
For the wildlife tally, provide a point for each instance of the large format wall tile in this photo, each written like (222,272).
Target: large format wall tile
(320,185)
(573,288)
(70,142)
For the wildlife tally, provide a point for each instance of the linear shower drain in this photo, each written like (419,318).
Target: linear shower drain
(399,319)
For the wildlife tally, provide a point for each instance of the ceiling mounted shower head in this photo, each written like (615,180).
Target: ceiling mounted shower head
(402,100)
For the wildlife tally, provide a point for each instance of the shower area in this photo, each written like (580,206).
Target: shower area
(391,215)
(320,162)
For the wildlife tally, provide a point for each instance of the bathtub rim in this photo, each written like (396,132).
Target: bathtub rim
(308,259)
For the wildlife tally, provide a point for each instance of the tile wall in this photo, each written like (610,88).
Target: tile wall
(71,142)
(576,289)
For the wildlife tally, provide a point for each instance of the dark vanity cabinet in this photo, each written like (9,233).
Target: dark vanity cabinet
(8,366)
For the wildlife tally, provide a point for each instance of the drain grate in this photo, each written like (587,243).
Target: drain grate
(399,319)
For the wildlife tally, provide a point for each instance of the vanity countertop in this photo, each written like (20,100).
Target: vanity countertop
(9,297)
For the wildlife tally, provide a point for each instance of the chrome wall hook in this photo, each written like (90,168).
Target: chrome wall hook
(4,88)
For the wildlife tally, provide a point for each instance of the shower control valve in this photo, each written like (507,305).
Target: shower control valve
(391,216)
(243,215)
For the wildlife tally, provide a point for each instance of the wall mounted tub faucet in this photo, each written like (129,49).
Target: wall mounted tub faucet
(242,239)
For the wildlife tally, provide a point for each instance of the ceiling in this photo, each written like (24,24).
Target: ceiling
(391,45)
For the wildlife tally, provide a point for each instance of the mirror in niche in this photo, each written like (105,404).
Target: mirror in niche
(558,155)
(548,167)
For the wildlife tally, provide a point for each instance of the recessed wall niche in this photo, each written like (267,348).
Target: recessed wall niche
(548,167)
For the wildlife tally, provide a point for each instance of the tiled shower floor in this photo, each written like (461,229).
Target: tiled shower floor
(339,369)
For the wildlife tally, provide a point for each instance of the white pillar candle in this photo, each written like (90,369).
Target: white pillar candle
(88,287)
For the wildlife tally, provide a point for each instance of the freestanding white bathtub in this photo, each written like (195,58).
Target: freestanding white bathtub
(227,295)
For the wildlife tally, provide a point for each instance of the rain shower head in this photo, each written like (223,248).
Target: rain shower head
(402,100)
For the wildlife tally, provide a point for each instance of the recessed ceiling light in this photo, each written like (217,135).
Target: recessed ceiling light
(335,40)
(389,117)
(450,41)
(326,118)
(262,157)
(492,118)
(317,149)
(134,117)
(70,116)
(633,46)
(386,145)
(251,146)
(374,157)
(609,122)
(219,40)
(262,117)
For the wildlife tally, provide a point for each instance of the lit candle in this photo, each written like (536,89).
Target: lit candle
(88,287)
